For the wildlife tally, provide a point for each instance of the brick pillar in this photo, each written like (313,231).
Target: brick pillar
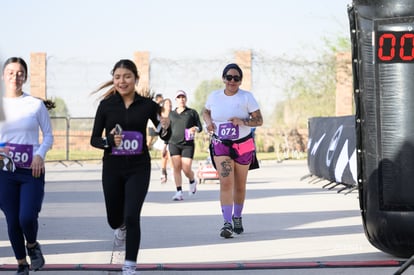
(38,75)
(142,62)
(244,60)
(344,100)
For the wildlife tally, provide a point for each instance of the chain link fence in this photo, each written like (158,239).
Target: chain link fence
(72,142)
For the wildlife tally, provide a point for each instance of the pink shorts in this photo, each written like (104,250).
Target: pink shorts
(222,150)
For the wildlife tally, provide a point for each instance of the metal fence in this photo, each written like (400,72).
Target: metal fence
(72,136)
(72,142)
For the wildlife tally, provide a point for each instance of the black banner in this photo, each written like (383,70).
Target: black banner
(332,150)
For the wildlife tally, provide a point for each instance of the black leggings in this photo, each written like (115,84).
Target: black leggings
(125,186)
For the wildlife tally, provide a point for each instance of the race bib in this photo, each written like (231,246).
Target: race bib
(21,154)
(132,144)
(188,135)
(228,131)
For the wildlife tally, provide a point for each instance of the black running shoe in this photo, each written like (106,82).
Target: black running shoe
(37,261)
(238,226)
(23,269)
(227,230)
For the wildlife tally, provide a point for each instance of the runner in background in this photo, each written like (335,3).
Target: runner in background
(160,144)
(184,123)
(151,129)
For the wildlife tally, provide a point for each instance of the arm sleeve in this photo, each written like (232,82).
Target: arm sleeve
(97,140)
(198,122)
(46,128)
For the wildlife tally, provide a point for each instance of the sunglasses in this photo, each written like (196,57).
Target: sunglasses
(230,77)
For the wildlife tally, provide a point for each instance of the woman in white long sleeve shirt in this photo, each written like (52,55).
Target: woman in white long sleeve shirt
(22,190)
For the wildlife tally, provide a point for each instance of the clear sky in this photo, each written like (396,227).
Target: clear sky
(114,29)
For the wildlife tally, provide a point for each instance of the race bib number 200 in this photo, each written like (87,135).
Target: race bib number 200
(132,143)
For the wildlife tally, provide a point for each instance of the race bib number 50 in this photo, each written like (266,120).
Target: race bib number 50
(21,154)
(132,143)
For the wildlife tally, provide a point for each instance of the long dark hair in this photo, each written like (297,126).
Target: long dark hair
(49,104)
(123,63)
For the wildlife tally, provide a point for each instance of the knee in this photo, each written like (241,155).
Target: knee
(187,172)
(187,169)
(13,223)
(28,220)
(226,186)
(239,190)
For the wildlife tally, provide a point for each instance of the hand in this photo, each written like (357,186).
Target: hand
(4,150)
(117,138)
(211,128)
(165,122)
(37,166)
(193,130)
(236,121)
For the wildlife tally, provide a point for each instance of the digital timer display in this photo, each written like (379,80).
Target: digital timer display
(395,46)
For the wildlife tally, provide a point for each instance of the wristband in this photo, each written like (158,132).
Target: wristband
(105,142)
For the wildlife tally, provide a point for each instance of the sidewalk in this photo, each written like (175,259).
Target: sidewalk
(291,227)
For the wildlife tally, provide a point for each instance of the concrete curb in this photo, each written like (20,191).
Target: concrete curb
(216,266)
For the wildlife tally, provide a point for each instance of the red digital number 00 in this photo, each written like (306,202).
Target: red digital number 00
(407,38)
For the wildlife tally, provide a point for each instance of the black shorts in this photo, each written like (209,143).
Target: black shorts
(185,151)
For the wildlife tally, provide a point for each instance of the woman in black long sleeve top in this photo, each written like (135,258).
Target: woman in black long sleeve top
(126,160)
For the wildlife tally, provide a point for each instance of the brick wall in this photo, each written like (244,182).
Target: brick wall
(244,60)
(142,62)
(344,100)
(38,75)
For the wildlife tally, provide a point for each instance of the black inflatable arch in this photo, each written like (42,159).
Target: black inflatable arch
(382,34)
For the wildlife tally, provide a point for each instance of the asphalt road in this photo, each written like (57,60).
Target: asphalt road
(292,226)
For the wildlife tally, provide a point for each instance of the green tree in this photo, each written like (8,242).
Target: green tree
(202,91)
(312,91)
(60,110)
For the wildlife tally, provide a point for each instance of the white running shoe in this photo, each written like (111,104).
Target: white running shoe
(128,270)
(120,236)
(178,196)
(193,188)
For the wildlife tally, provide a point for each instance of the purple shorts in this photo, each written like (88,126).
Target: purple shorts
(222,150)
